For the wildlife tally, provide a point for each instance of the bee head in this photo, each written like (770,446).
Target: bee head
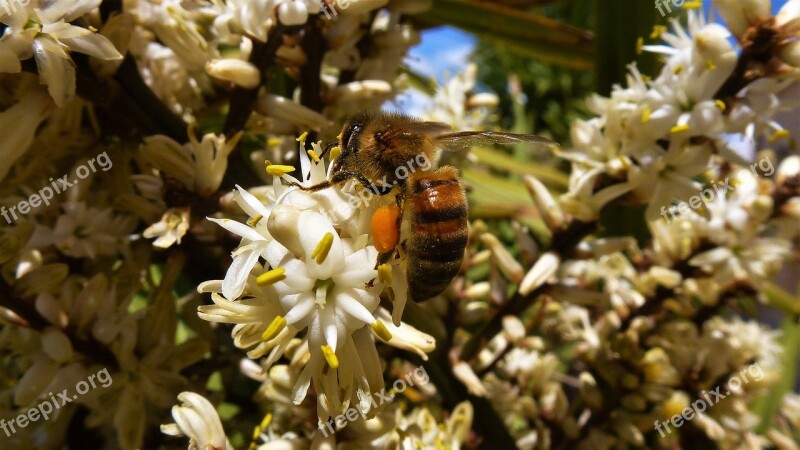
(350,143)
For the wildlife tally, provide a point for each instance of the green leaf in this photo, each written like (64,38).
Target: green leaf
(420,82)
(488,188)
(617,36)
(525,33)
(781,300)
(497,159)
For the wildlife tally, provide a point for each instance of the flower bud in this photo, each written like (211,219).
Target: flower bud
(740,14)
(590,394)
(790,54)
(292,12)
(545,267)
(511,269)
(241,73)
(466,375)
(56,345)
(548,207)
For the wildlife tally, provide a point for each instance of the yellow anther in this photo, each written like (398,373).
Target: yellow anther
(330,356)
(710,65)
(274,328)
(639,45)
(271,277)
(335,152)
(339,137)
(658,30)
(693,4)
(266,421)
(256,432)
(646,115)
(254,221)
(646,78)
(380,330)
(323,248)
(313,155)
(778,135)
(277,170)
(302,138)
(677,70)
(385,274)
(274,141)
(720,104)
(679,128)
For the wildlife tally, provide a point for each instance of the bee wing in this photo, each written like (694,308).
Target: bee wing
(431,129)
(464,140)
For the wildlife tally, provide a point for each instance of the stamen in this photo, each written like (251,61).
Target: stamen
(677,70)
(380,330)
(302,138)
(778,135)
(646,115)
(385,274)
(639,45)
(266,421)
(335,152)
(313,155)
(330,356)
(710,65)
(274,141)
(271,277)
(693,4)
(720,104)
(274,328)
(679,128)
(658,30)
(277,170)
(254,221)
(323,248)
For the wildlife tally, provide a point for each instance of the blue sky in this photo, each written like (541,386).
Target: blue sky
(445,51)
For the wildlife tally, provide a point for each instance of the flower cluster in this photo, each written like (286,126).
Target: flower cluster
(208,271)
(317,285)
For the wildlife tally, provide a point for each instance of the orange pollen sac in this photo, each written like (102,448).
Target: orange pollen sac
(385,231)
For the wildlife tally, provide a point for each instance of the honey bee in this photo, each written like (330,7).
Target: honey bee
(389,153)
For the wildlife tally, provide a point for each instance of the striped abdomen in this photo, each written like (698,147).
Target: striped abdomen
(438,209)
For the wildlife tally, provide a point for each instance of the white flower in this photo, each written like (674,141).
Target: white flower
(255,238)
(319,276)
(47,34)
(200,166)
(197,419)
(170,229)
(89,232)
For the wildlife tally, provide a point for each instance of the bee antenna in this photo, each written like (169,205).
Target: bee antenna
(328,149)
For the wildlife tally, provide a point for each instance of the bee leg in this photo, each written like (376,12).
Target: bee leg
(339,177)
(314,188)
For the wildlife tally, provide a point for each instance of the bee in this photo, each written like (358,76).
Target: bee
(388,153)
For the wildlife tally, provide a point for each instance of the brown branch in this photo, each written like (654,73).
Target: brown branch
(242,99)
